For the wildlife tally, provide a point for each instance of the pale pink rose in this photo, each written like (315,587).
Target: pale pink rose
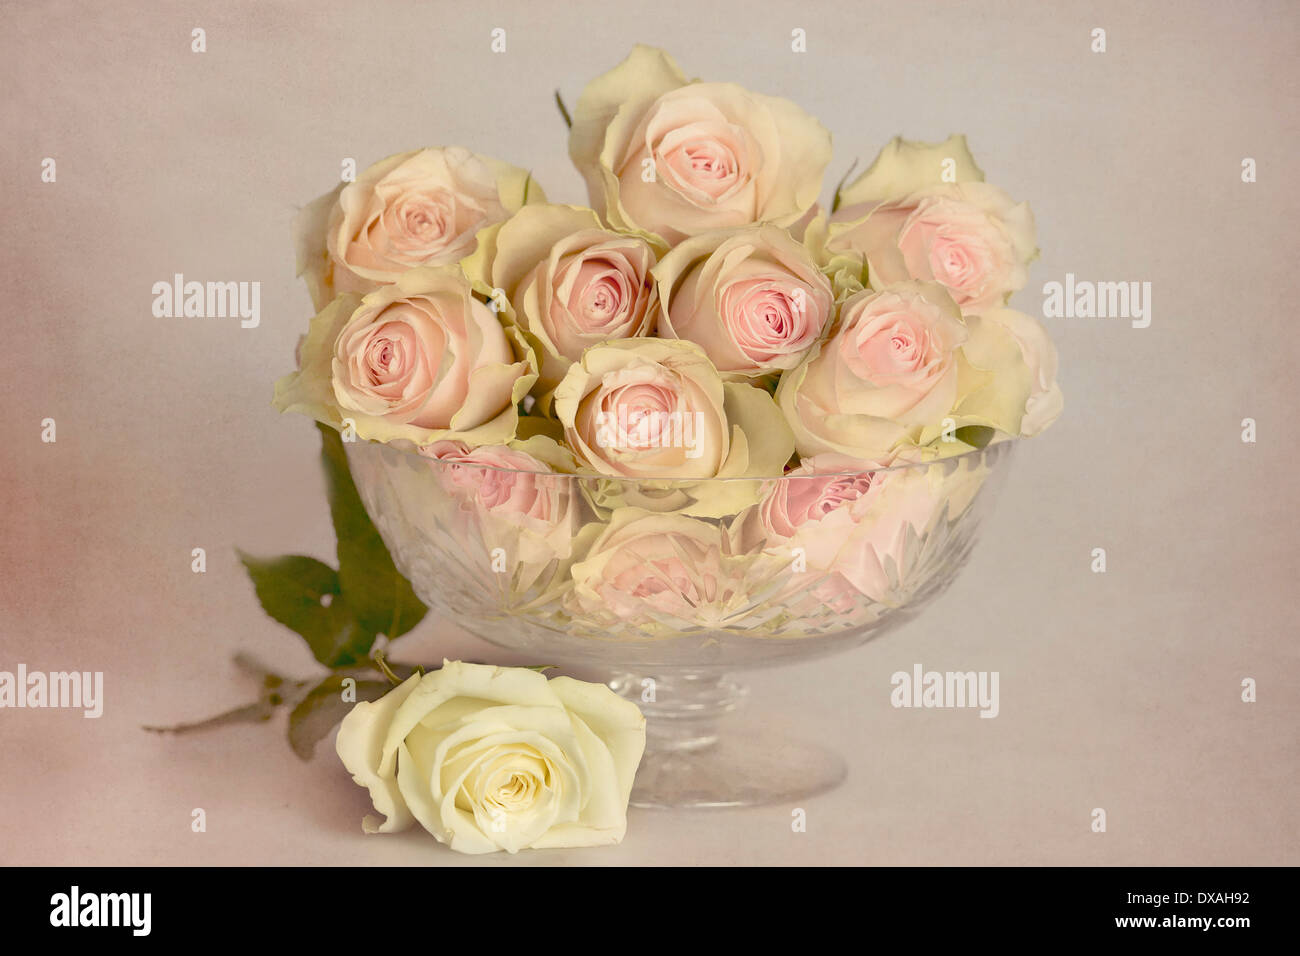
(678,158)
(752,298)
(889,368)
(569,283)
(815,507)
(836,523)
(670,568)
(969,237)
(495,476)
(420,208)
(657,408)
(426,353)
(497,484)
(820,486)
(597,288)
(850,528)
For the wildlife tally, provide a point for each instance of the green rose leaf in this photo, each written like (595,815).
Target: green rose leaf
(324,707)
(379,597)
(291,589)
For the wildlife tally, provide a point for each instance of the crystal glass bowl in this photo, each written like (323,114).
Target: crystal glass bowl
(665,586)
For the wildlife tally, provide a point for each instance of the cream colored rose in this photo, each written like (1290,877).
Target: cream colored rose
(420,360)
(497,758)
(569,283)
(676,158)
(902,367)
(657,408)
(421,208)
(971,238)
(752,298)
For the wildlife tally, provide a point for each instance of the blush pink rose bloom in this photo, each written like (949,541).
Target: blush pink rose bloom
(671,569)
(420,360)
(819,487)
(657,408)
(889,368)
(676,158)
(509,482)
(568,283)
(420,208)
(970,237)
(850,520)
(505,485)
(752,298)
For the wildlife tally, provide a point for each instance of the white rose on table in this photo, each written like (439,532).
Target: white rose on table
(497,758)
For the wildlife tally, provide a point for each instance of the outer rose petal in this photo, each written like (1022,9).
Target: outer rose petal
(611,731)
(905,166)
(1045,401)
(634,84)
(360,746)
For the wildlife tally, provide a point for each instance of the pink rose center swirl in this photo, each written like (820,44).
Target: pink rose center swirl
(962,263)
(500,479)
(601,295)
(891,349)
(705,160)
(642,415)
(391,363)
(767,318)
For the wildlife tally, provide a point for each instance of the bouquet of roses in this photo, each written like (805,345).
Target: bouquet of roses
(705,318)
